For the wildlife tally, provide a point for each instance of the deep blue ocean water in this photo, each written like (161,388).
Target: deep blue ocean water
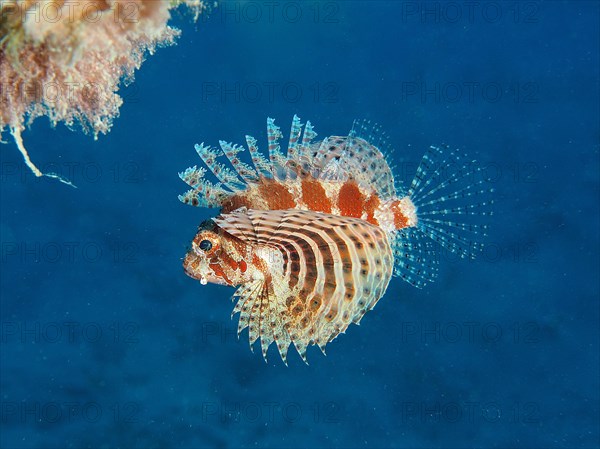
(106,343)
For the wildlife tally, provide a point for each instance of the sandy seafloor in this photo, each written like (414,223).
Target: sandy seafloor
(106,343)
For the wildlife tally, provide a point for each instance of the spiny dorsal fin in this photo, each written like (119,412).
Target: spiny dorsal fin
(336,158)
(225,175)
(372,156)
(203,193)
(279,166)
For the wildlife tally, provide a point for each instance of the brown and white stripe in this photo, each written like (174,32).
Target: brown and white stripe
(320,272)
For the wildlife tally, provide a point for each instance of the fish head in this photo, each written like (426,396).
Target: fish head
(216,257)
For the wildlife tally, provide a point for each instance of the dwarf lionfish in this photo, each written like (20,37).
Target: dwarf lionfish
(312,238)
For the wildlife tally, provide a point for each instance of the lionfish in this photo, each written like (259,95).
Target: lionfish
(312,238)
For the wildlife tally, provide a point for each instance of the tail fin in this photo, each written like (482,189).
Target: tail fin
(453,204)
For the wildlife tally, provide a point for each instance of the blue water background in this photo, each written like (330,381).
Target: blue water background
(109,344)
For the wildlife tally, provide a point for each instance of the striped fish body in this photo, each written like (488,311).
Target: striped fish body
(311,274)
(311,239)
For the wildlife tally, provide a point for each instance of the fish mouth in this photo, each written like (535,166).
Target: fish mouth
(188,272)
(204,278)
(217,280)
(190,267)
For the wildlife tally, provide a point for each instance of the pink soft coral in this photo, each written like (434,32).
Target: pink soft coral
(65,59)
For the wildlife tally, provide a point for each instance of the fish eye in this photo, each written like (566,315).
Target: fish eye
(205,245)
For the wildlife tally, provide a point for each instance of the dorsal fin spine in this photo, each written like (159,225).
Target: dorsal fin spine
(263,166)
(304,148)
(225,175)
(295,133)
(278,160)
(246,172)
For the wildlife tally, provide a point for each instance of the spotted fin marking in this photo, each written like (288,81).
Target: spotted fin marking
(278,160)
(357,156)
(203,192)
(253,302)
(453,201)
(370,144)
(415,257)
(294,143)
(328,272)
(260,162)
(333,159)
(307,140)
(372,132)
(225,175)
(305,160)
(279,166)
(247,173)
(263,315)
(256,304)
